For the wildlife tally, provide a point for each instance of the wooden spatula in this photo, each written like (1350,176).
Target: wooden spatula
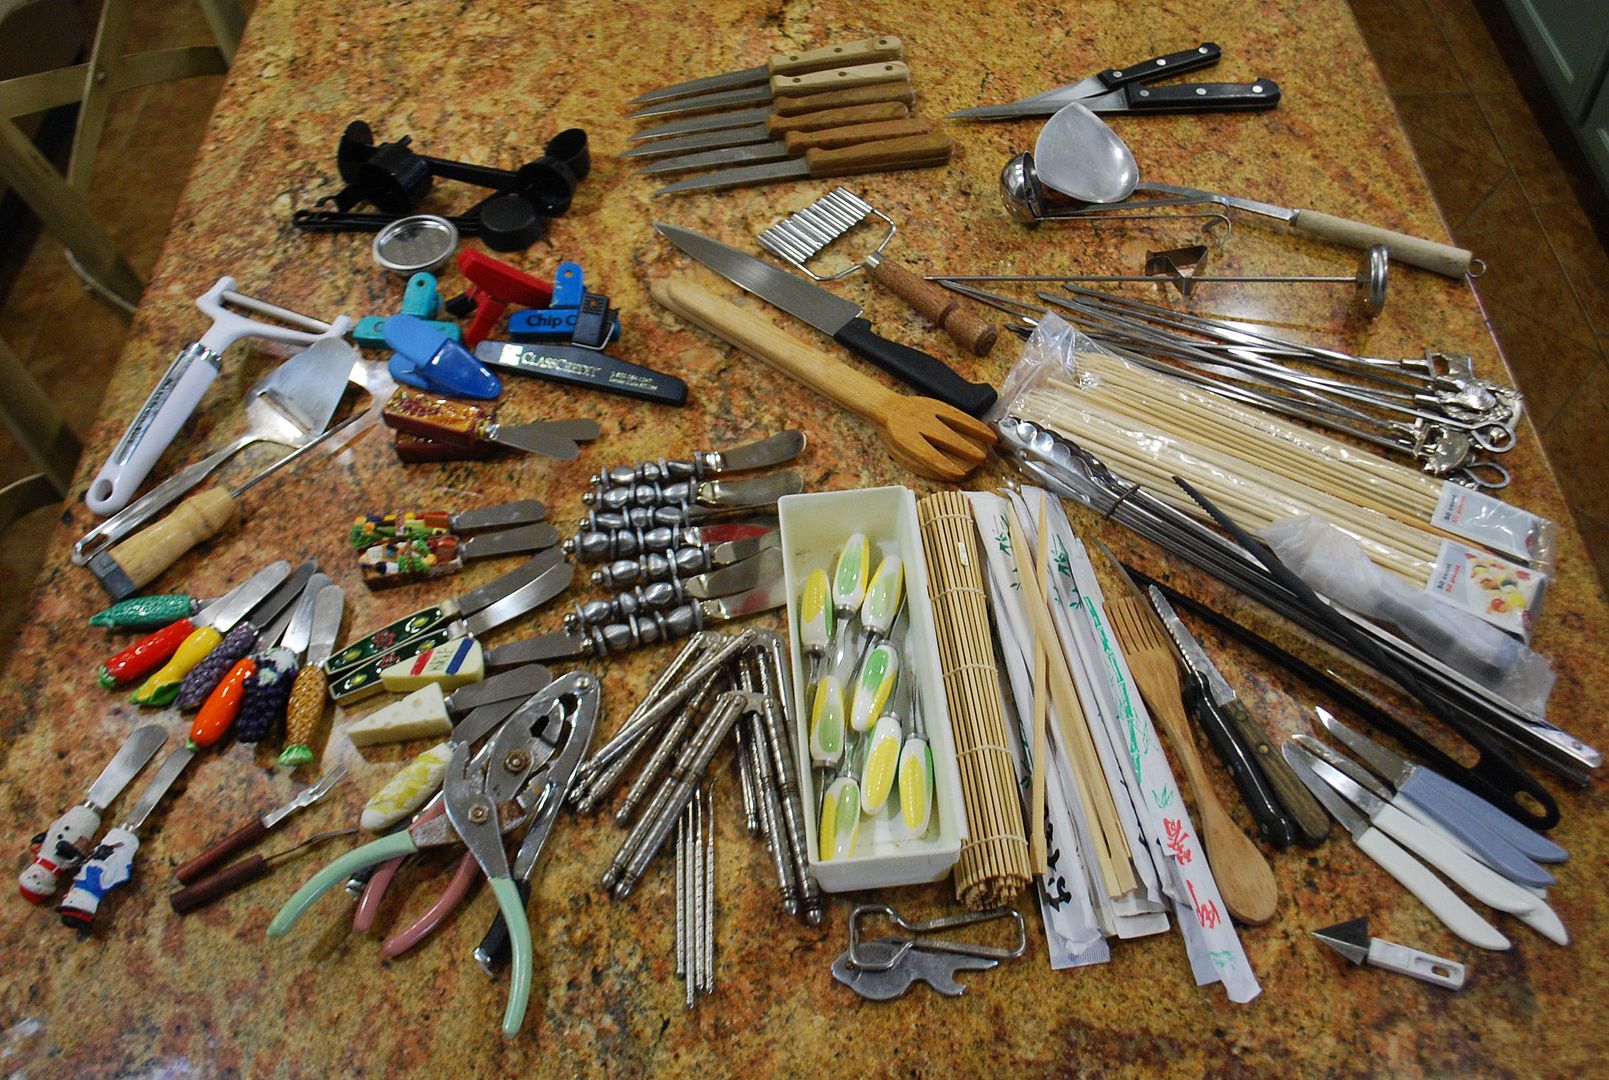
(928,437)
(1244,877)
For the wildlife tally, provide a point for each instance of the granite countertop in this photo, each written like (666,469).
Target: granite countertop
(153,994)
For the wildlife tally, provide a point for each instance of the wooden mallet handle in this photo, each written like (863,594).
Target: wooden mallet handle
(942,308)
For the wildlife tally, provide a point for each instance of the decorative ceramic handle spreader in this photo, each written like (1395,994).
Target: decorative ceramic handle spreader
(185,383)
(60,849)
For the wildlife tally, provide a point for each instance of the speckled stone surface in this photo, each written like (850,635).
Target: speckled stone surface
(152,994)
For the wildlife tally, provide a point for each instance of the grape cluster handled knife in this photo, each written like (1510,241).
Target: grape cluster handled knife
(835,317)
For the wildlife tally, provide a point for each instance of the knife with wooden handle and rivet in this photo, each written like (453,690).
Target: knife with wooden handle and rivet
(865,51)
(877,93)
(886,155)
(780,86)
(793,144)
(836,317)
(771,128)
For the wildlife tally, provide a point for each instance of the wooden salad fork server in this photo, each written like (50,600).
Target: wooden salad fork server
(928,437)
(1244,877)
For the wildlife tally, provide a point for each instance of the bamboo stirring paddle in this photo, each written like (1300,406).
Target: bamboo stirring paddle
(1244,877)
(928,437)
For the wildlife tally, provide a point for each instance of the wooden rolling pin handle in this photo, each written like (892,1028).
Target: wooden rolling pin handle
(146,554)
(798,142)
(942,309)
(830,118)
(1426,254)
(914,151)
(839,99)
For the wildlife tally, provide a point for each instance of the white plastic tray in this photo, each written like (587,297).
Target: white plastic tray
(814,528)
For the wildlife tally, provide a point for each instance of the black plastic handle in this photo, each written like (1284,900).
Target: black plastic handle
(492,952)
(916,369)
(1272,824)
(1203,97)
(1161,67)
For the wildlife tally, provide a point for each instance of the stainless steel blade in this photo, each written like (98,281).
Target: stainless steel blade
(781,447)
(713,122)
(540,649)
(294,627)
(141,746)
(536,537)
(765,598)
(528,597)
(500,516)
(516,685)
(1045,106)
(158,787)
(740,494)
(762,569)
(792,169)
(1351,769)
(538,438)
(494,590)
(703,140)
(328,608)
(1353,793)
(726,81)
(1350,939)
(790,292)
(721,99)
(283,597)
(1395,769)
(306,797)
(305,391)
(1301,764)
(749,154)
(230,609)
(733,551)
(1195,657)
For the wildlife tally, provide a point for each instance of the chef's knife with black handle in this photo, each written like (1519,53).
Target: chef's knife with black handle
(836,317)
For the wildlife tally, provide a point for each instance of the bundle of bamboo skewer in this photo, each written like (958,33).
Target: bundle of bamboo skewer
(993,867)
(1151,431)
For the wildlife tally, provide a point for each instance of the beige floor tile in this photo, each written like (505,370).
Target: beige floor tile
(1578,444)
(1404,39)
(1543,178)
(1582,255)
(1596,535)
(1521,269)
(1547,366)
(1478,58)
(1456,149)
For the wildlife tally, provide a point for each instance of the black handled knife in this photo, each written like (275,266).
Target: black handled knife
(835,317)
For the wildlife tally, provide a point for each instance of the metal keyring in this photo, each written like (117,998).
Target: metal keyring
(416,244)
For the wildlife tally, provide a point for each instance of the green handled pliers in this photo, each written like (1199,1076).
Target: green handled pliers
(485,795)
